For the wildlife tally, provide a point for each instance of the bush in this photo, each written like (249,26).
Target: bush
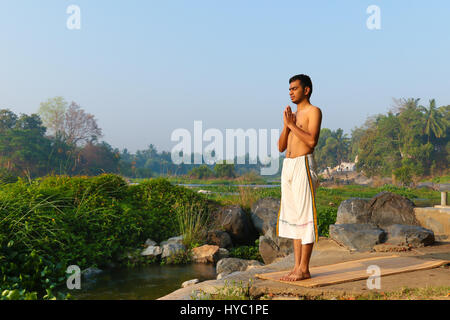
(53,222)
(247,252)
(325,217)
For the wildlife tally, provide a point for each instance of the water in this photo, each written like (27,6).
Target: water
(231,185)
(146,283)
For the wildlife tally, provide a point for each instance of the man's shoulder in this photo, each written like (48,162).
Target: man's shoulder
(315,109)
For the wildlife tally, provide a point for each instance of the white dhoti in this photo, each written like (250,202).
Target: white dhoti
(297,217)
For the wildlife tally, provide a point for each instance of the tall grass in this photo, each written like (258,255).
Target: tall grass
(192,223)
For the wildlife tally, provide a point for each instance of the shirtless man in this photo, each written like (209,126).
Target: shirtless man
(299,136)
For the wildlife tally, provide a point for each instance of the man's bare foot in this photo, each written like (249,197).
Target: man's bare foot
(297,275)
(286,276)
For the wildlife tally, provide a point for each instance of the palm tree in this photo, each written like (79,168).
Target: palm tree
(401,105)
(342,144)
(435,123)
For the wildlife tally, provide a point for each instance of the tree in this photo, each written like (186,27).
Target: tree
(435,121)
(99,158)
(52,113)
(23,147)
(69,122)
(224,170)
(80,126)
(201,172)
(8,119)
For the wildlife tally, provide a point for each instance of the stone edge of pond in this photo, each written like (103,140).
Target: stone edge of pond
(211,286)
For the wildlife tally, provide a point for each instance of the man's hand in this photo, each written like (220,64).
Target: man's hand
(288,117)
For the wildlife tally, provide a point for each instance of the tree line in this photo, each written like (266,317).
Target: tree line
(61,138)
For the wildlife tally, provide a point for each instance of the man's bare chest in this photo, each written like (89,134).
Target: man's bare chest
(302,120)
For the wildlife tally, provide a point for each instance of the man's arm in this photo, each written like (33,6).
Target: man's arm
(312,137)
(282,142)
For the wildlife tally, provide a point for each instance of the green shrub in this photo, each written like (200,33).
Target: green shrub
(247,252)
(325,217)
(53,222)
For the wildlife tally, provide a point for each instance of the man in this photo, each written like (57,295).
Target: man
(297,217)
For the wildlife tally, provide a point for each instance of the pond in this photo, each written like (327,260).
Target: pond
(145,283)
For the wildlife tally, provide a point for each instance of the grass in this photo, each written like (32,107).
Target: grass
(241,291)
(405,293)
(441,179)
(230,291)
(249,179)
(192,222)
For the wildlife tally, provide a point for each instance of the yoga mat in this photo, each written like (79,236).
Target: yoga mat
(356,270)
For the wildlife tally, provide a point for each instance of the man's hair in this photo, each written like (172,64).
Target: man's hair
(305,81)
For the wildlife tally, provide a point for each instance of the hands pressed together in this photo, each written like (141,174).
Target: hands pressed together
(289,118)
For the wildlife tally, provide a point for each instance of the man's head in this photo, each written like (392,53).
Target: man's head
(300,87)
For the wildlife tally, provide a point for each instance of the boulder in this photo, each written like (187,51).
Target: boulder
(268,249)
(387,208)
(171,249)
(264,214)
(408,235)
(189,283)
(357,237)
(151,251)
(178,239)
(235,222)
(284,244)
(229,265)
(353,210)
(219,238)
(205,254)
(223,253)
(150,242)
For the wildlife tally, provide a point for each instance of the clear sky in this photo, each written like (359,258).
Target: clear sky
(146,68)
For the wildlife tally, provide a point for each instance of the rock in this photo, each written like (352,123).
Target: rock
(353,210)
(150,242)
(205,254)
(284,244)
(235,222)
(268,249)
(229,265)
(223,253)
(178,239)
(189,283)
(219,238)
(171,249)
(151,251)
(265,214)
(358,237)
(90,272)
(385,247)
(387,208)
(408,235)
(436,220)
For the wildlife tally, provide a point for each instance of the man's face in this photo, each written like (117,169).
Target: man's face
(296,91)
